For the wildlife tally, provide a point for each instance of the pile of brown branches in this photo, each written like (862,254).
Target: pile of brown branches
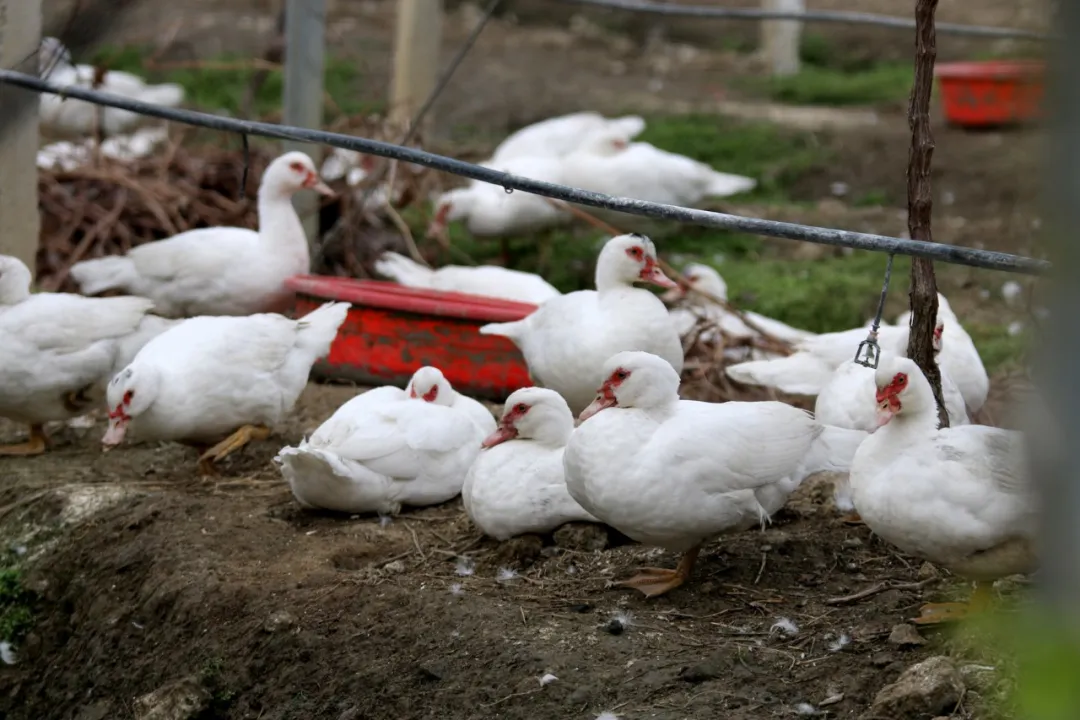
(709,351)
(109,206)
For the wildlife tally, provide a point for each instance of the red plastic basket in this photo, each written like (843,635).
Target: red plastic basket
(393,330)
(993,92)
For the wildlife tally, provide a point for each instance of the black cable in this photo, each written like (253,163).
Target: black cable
(757,226)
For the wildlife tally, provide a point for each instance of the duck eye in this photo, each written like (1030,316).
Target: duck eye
(128,395)
(297,166)
(621,374)
(520,408)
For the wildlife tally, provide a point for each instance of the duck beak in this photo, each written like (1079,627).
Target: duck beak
(115,434)
(323,189)
(501,435)
(652,273)
(600,403)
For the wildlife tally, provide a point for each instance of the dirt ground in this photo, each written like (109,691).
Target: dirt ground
(225,595)
(274,612)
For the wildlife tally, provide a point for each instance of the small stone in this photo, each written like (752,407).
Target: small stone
(851,542)
(881,659)
(905,634)
(394,567)
(709,669)
(927,571)
(927,689)
(279,620)
(582,695)
(181,700)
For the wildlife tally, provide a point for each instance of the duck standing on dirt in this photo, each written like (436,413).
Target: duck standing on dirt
(674,473)
(219,270)
(568,338)
(58,350)
(516,485)
(389,447)
(209,377)
(960,497)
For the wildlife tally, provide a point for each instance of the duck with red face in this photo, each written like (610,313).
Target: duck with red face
(516,485)
(567,339)
(960,497)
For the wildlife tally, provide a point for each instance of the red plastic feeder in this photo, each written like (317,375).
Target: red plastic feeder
(392,331)
(991,93)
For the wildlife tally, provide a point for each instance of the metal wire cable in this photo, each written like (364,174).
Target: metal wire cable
(757,226)
(835,16)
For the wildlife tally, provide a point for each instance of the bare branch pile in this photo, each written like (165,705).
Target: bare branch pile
(110,206)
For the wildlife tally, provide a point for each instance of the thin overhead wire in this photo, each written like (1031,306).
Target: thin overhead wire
(757,226)
(833,16)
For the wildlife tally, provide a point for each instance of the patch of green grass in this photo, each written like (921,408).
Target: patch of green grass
(815,85)
(16,605)
(998,349)
(223,89)
(871,198)
(776,156)
(833,293)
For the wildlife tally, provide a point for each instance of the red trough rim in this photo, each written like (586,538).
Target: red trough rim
(392,296)
(990,69)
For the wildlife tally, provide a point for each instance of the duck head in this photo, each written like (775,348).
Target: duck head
(635,379)
(533,414)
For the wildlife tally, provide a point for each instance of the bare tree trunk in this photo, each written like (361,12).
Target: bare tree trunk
(923,292)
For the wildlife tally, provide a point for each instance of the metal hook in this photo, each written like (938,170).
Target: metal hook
(869,352)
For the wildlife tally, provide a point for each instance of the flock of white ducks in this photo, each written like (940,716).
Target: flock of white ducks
(194,353)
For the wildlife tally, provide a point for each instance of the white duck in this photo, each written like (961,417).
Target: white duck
(219,270)
(67,156)
(811,366)
(486,280)
(606,163)
(560,136)
(387,448)
(960,497)
(490,211)
(839,404)
(567,340)
(674,473)
(211,377)
(349,164)
(698,276)
(959,356)
(78,117)
(59,350)
(516,485)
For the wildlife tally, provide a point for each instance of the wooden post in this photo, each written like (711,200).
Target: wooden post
(780,39)
(305,64)
(20,225)
(1053,425)
(923,292)
(416,57)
